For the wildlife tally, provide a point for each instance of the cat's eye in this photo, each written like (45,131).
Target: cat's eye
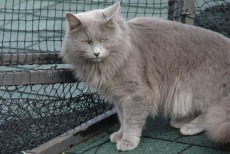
(103,40)
(88,41)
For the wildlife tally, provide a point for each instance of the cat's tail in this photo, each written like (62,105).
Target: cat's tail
(217,121)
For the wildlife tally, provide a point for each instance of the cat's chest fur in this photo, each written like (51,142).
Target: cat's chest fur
(106,78)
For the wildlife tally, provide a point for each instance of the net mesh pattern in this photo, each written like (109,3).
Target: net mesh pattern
(209,14)
(215,16)
(39,25)
(31,115)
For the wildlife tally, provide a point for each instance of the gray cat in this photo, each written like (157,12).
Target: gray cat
(148,66)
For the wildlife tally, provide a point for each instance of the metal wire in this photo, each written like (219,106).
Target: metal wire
(31,115)
(216,16)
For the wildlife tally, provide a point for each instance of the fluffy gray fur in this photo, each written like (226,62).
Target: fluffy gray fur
(148,66)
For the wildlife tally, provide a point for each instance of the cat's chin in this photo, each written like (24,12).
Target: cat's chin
(96,60)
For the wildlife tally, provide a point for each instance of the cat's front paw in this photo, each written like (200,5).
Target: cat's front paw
(116,137)
(191,129)
(178,123)
(129,143)
(175,124)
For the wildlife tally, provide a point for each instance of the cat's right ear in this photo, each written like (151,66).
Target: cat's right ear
(73,21)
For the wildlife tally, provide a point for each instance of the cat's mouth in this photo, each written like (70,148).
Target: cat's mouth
(96,60)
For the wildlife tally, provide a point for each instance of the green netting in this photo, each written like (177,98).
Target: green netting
(39,25)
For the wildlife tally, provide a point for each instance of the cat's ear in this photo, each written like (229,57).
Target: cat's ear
(73,21)
(110,12)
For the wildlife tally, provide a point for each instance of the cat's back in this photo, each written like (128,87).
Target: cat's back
(175,52)
(177,40)
(157,26)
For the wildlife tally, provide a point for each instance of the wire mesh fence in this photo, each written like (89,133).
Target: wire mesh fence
(33,114)
(215,16)
(39,25)
(209,14)
(34,109)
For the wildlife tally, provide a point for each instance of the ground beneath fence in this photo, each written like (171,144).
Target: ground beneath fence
(158,137)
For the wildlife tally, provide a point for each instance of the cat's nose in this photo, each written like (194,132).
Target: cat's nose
(96,54)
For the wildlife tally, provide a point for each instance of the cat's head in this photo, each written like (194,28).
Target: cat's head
(94,36)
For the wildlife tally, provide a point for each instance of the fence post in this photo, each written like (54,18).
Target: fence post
(182,11)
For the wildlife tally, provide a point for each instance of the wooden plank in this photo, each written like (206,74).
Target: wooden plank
(171,11)
(32,77)
(188,12)
(182,11)
(29,58)
(77,135)
(174,10)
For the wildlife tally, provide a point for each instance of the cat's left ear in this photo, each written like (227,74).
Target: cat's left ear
(110,12)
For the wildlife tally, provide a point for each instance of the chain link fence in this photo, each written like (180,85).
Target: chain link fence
(38,101)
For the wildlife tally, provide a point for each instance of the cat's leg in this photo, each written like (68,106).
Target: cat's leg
(179,122)
(117,136)
(134,118)
(194,127)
